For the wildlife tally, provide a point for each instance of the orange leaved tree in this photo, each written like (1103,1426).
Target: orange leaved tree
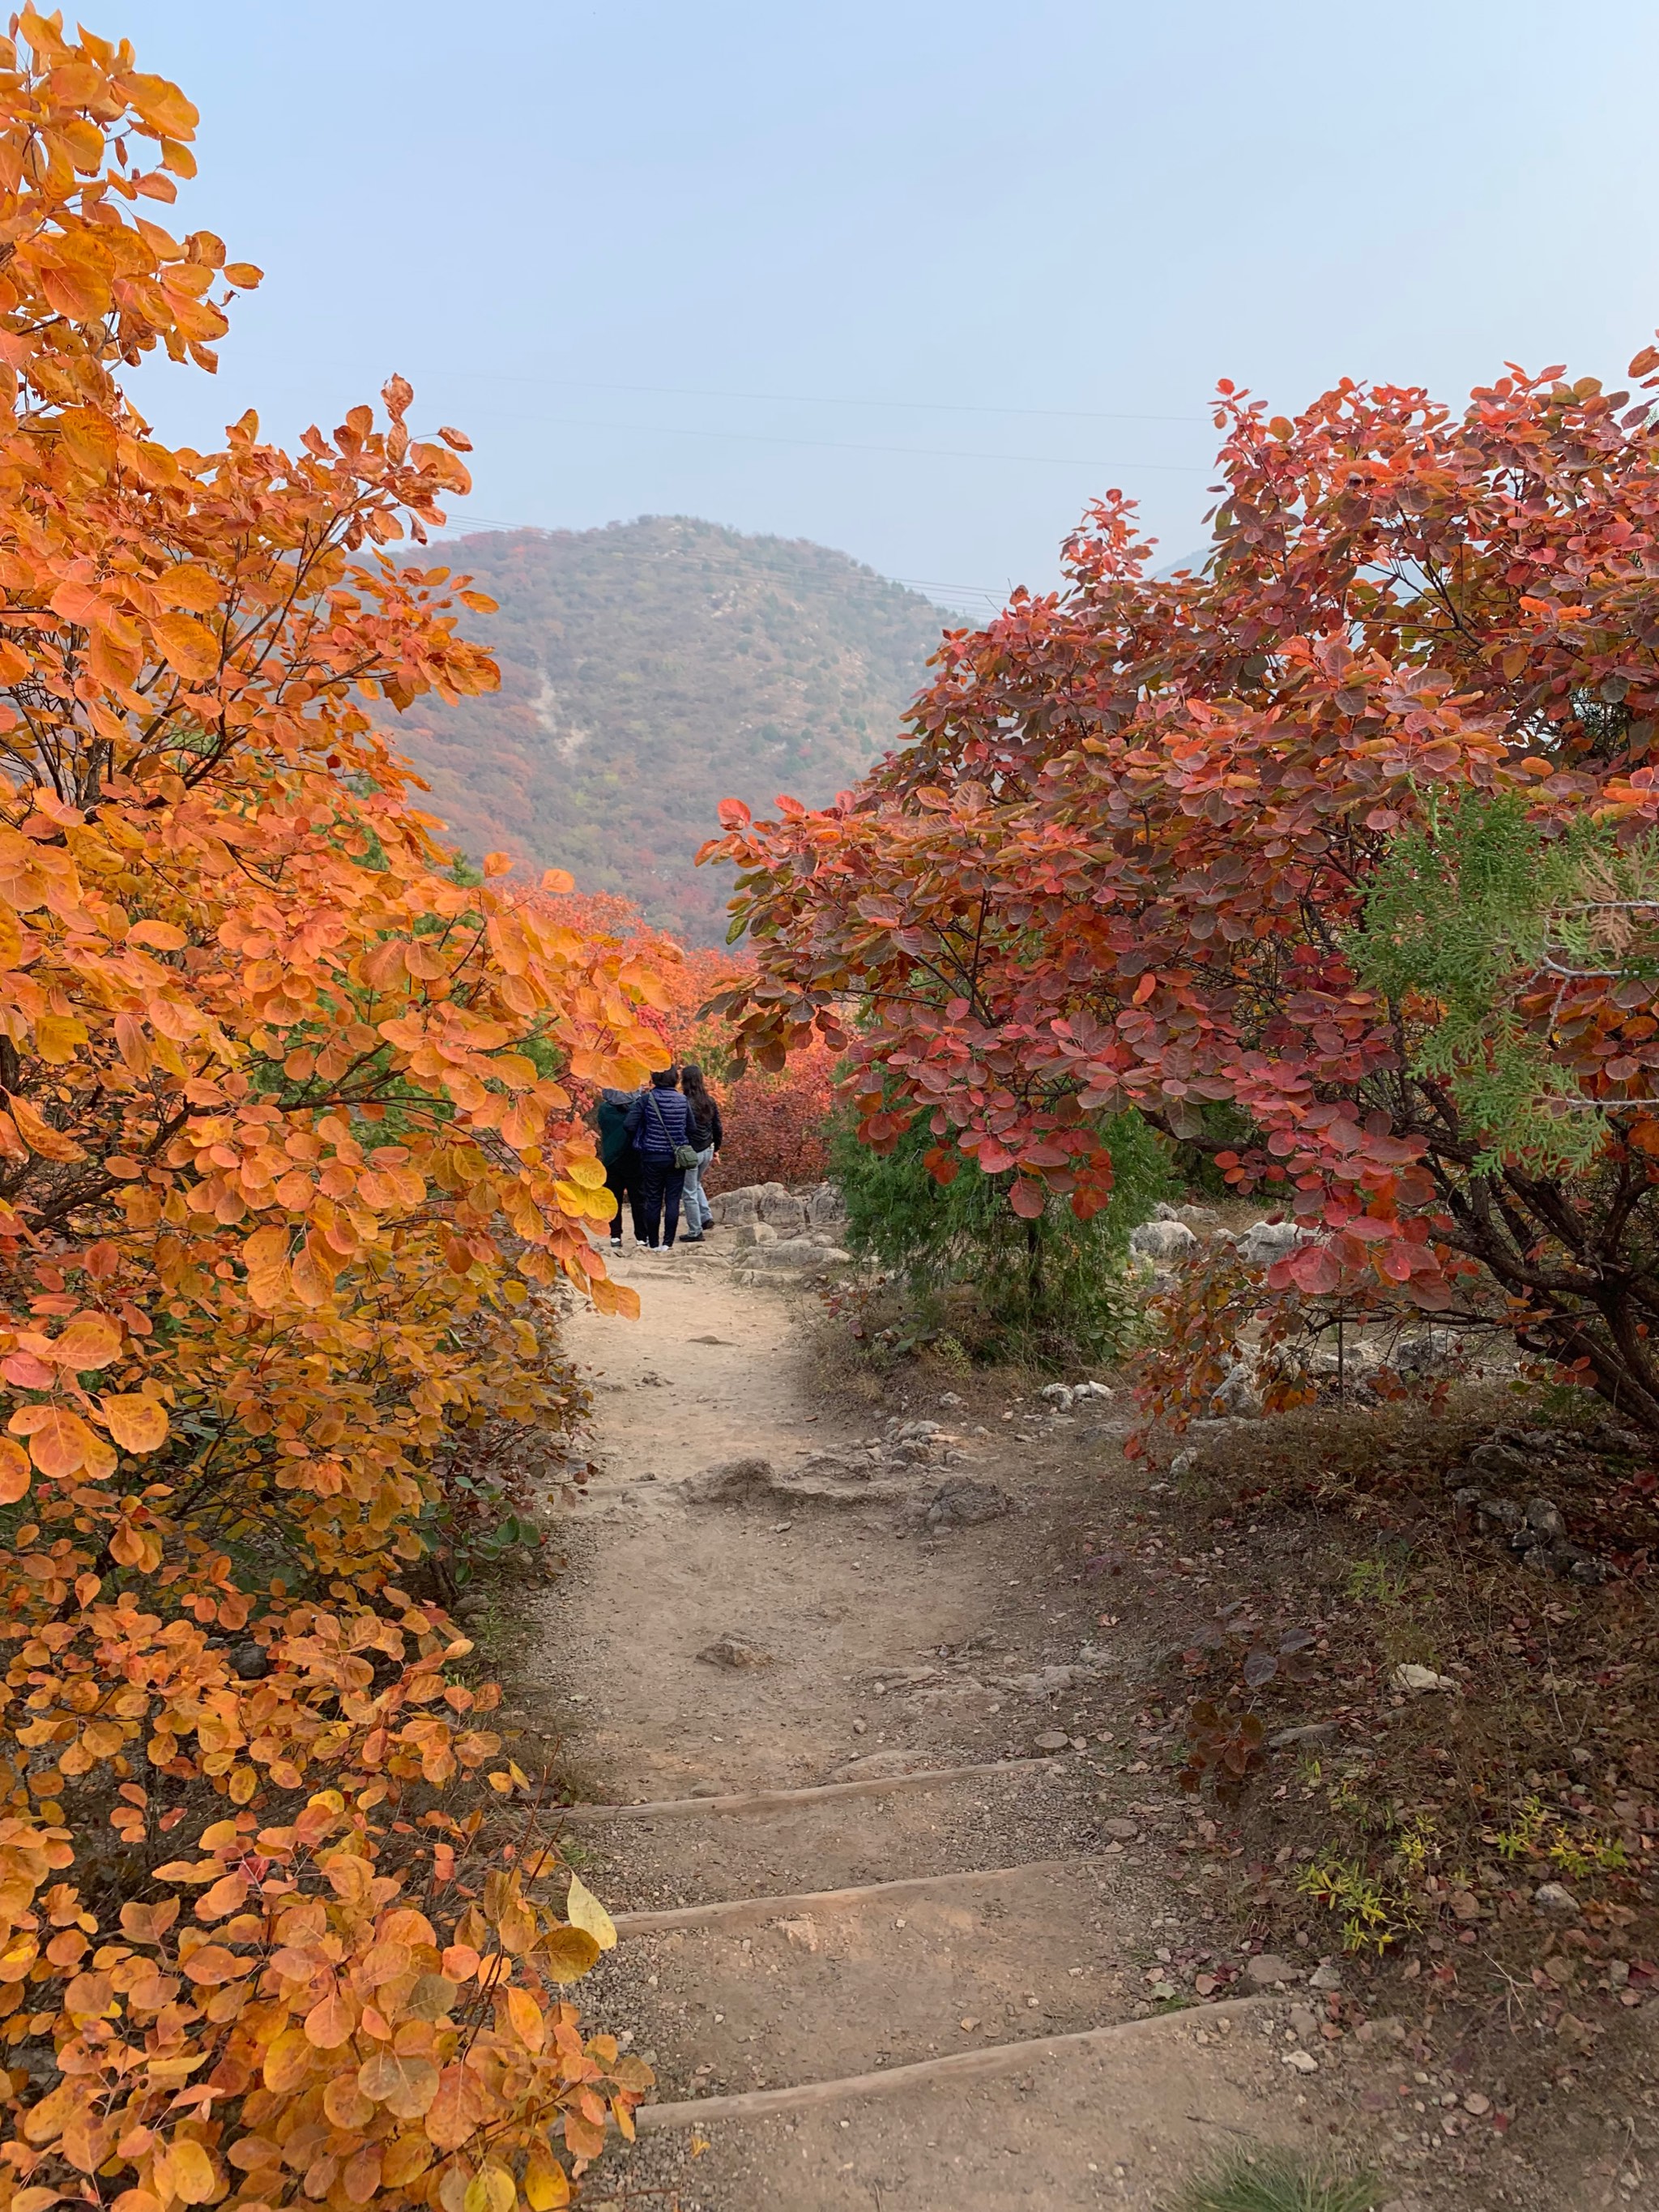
(289,1162)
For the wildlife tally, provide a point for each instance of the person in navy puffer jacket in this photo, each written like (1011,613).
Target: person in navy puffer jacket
(659,1122)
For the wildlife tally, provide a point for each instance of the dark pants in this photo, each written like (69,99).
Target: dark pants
(657,1186)
(619,1178)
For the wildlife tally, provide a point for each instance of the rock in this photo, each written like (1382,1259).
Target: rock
(1201,1219)
(825,1207)
(1554,1897)
(1058,1396)
(1164,1211)
(1465,1506)
(801,1252)
(1420,1680)
(1327,1975)
(1091,1390)
(734,1208)
(252,1661)
(754,1233)
(919,1432)
(1265,1241)
(1313,1732)
(1267,1969)
(734,1651)
(1544,1515)
(1237,1397)
(1498,1462)
(1053,1740)
(1183,1463)
(1122,1831)
(1303,2021)
(1497,1516)
(1592,1572)
(948,1400)
(1302,2062)
(733,1482)
(1162,1240)
(1430,1351)
(962,1503)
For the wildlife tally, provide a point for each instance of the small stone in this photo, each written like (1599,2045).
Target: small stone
(250,1661)
(860,1727)
(1268,1968)
(734,1651)
(1475,2103)
(1304,2023)
(1328,1975)
(1183,1463)
(1303,2061)
(1421,1680)
(1312,1732)
(1497,1516)
(1500,1463)
(1554,1897)
(1124,1832)
(1162,1240)
(1053,1740)
(1544,1515)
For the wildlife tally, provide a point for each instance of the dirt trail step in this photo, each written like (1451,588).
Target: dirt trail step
(818,1944)
(947,1967)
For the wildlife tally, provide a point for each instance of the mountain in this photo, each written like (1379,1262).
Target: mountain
(649,670)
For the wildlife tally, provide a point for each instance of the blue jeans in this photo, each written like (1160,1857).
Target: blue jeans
(699,1214)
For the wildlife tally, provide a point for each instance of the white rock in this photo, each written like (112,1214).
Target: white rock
(1162,1240)
(1303,2061)
(1419,1680)
(1554,1897)
(1264,1242)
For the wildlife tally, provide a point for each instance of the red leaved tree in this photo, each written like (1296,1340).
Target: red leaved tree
(1348,842)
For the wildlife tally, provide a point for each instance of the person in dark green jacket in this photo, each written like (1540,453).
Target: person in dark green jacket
(617,1155)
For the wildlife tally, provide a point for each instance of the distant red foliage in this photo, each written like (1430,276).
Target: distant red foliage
(776,1125)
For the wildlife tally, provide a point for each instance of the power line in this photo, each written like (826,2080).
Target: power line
(822,399)
(847,446)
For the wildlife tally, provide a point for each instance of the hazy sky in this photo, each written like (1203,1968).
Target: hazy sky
(913,279)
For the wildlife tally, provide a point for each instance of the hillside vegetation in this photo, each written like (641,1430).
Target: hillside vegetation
(649,670)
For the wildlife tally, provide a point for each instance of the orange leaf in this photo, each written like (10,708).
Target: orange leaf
(406,2085)
(16,1473)
(330,2023)
(90,1341)
(39,1134)
(59,1440)
(137,1423)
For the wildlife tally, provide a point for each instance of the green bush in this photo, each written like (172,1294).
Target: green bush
(1043,1293)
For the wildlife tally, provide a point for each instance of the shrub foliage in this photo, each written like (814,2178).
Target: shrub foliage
(289,1159)
(1161,843)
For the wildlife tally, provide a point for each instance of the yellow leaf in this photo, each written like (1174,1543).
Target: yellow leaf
(583,1910)
(38,1133)
(589,1174)
(492,2191)
(526,2015)
(55,1037)
(546,2185)
(189,646)
(191,2171)
(566,1954)
(89,1343)
(137,1424)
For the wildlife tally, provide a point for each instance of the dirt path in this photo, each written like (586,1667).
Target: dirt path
(875,1653)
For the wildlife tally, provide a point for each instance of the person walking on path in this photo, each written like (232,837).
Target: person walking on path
(659,1123)
(706,1138)
(617,1155)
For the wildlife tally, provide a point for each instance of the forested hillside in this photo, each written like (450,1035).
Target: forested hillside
(649,670)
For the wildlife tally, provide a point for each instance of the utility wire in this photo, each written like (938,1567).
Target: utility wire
(846,446)
(820,399)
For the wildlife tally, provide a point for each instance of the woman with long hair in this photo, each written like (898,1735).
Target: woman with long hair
(706,1136)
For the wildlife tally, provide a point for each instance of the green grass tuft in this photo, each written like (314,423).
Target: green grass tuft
(1276,2181)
